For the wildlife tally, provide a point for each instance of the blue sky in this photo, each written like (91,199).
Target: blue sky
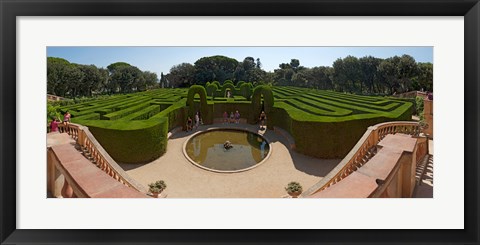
(161,59)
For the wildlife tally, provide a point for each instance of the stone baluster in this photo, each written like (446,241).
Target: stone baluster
(67,191)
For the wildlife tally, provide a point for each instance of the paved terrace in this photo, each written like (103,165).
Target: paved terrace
(185,180)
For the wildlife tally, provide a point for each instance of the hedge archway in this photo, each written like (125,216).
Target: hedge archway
(227,82)
(228,86)
(200,90)
(246,90)
(211,89)
(216,83)
(239,84)
(267,93)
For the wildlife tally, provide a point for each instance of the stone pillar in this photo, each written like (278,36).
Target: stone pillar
(428,115)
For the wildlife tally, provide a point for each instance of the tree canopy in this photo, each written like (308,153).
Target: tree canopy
(364,75)
(75,80)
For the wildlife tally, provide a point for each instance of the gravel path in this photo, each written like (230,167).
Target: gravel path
(185,180)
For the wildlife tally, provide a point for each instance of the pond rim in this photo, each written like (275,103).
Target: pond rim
(184,147)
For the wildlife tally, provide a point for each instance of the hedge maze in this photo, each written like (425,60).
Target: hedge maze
(327,124)
(133,128)
(320,105)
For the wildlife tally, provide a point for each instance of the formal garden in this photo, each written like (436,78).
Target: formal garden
(133,128)
(227,128)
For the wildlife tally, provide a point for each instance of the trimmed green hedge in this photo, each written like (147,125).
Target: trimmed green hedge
(228,86)
(211,89)
(246,90)
(239,84)
(267,93)
(323,133)
(125,144)
(216,83)
(324,124)
(227,82)
(200,90)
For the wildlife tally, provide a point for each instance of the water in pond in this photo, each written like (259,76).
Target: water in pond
(207,149)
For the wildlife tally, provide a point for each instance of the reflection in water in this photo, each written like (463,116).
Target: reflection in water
(196,147)
(207,149)
(262,148)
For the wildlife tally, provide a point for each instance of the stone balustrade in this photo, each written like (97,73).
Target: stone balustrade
(97,155)
(365,149)
(81,178)
(428,115)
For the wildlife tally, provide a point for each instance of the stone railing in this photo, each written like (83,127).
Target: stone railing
(362,152)
(422,149)
(93,150)
(71,175)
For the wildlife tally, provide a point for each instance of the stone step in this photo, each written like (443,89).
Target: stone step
(420,170)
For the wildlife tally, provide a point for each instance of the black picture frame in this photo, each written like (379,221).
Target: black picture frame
(9,10)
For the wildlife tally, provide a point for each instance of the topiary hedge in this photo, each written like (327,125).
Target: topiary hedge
(267,93)
(325,124)
(246,90)
(228,86)
(216,83)
(228,82)
(320,124)
(211,89)
(239,84)
(200,90)
(133,143)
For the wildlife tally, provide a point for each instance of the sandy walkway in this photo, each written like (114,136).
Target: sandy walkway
(185,180)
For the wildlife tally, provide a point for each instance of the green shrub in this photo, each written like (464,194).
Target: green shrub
(419,105)
(157,186)
(294,187)
(53,112)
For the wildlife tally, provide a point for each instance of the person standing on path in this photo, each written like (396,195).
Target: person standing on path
(263,117)
(189,124)
(197,120)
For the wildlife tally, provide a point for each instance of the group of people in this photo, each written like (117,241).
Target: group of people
(234,118)
(55,122)
(190,122)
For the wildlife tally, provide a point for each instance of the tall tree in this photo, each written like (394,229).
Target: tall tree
(424,79)
(347,73)
(92,79)
(151,79)
(182,75)
(388,71)
(294,63)
(407,70)
(215,68)
(368,71)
